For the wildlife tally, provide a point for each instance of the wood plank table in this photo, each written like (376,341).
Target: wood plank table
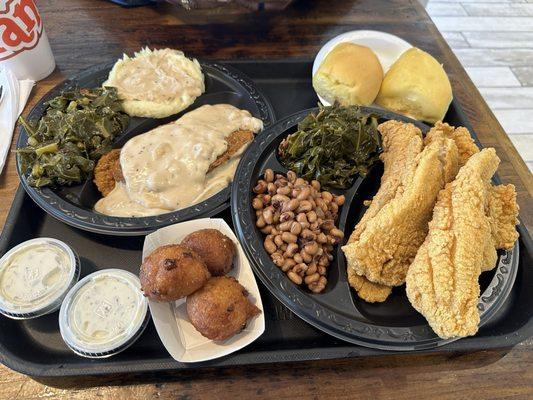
(87,32)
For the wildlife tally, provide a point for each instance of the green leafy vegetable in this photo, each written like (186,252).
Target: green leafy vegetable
(332,146)
(77,128)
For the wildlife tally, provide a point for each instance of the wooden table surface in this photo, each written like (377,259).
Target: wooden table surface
(87,32)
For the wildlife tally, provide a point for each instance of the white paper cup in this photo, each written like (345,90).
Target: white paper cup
(24,46)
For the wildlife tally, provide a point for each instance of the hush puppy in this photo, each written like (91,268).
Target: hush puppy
(221,308)
(216,249)
(172,272)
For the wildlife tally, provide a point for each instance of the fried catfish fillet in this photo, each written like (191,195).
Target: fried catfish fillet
(402,143)
(468,225)
(462,138)
(388,242)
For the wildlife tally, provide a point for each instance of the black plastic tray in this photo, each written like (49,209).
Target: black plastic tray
(35,347)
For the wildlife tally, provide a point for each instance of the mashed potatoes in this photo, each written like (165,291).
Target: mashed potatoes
(156,83)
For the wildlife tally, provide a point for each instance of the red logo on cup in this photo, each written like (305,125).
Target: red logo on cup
(21,27)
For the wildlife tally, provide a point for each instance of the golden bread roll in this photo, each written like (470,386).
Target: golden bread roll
(417,86)
(350,75)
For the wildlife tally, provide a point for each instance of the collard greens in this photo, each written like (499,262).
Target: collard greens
(332,146)
(76,129)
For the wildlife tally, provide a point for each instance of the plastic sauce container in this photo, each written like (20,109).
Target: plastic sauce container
(104,313)
(35,277)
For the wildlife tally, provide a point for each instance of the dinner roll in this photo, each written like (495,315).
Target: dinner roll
(350,74)
(416,86)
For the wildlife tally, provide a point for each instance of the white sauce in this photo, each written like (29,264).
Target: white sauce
(34,276)
(165,169)
(159,76)
(104,309)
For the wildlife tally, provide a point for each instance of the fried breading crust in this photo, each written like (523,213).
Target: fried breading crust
(462,138)
(390,240)
(107,171)
(442,282)
(402,143)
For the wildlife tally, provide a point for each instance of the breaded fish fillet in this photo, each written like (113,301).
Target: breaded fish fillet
(402,143)
(462,138)
(108,170)
(389,242)
(468,224)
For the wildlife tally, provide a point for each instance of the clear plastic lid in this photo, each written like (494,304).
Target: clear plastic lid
(35,277)
(104,313)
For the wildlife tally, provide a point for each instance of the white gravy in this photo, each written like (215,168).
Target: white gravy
(165,169)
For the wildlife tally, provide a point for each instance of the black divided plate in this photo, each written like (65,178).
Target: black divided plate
(35,347)
(74,204)
(391,325)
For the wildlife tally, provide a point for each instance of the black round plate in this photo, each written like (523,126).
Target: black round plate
(391,325)
(74,204)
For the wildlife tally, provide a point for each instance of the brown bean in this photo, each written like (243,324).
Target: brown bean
(306,256)
(294,277)
(321,270)
(311,216)
(289,237)
(260,223)
(267,198)
(301,217)
(288,264)
(270,246)
(300,182)
(337,233)
(323,261)
(267,229)
(274,232)
(268,215)
(257,204)
(277,213)
(308,234)
(278,200)
(321,238)
(269,175)
(291,176)
(304,193)
(261,187)
(296,228)
(327,225)
(298,258)
(271,187)
(304,206)
(283,247)
(315,184)
(304,225)
(286,216)
(339,200)
(313,226)
(277,258)
(292,248)
(311,278)
(284,190)
(285,226)
(334,208)
(311,248)
(320,214)
(312,269)
(278,240)
(300,269)
(290,205)
(327,197)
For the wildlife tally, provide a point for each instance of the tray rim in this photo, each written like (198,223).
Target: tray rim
(80,218)
(322,317)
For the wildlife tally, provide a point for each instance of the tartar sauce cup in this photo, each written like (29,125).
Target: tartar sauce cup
(35,276)
(104,313)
